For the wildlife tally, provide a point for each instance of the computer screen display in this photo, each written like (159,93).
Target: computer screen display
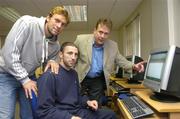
(155,66)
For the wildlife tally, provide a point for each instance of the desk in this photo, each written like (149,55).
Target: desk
(126,114)
(116,102)
(113,78)
(127,85)
(123,82)
(136,88)
(172,109)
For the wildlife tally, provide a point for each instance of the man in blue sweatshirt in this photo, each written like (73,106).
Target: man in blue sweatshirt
(59,95)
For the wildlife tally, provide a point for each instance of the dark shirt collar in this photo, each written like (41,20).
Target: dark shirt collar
(95,46)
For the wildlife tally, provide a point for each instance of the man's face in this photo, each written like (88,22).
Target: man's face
(56,24)
(101,34)
(69,56)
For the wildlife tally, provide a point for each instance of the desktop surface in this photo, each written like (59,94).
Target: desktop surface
(159,106)
(113,78)
(124,84)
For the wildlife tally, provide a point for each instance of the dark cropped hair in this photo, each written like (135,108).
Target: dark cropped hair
(104,21)
(65,44)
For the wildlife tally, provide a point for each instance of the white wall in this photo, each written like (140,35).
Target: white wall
(174,21)
(160,28)
(177,21)
(165,23)
(160,24)
(70,35)
(145,12)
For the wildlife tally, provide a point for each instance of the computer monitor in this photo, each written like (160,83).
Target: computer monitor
(119,72)
(162,74)
(131,75)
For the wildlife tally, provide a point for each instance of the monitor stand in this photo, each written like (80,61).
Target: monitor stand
(130,81)
(161,97)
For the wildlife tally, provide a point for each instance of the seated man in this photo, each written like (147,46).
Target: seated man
(59,95)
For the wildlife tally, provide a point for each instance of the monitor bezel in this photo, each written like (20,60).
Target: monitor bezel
(155,85)
(130,75)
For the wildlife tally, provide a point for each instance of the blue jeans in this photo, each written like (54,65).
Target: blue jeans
(10,90)
(33,101)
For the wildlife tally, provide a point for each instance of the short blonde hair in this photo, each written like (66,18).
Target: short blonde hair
(61,11)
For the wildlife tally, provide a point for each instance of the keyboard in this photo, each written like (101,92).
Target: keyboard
(117,87)
(136,107)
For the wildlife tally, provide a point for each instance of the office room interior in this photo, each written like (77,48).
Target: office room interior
(158,20)
(157,25)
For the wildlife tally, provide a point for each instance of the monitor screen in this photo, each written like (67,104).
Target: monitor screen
(161,74)
(155,66)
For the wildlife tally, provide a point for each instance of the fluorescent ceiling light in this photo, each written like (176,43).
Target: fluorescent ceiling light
(77,12)
(9,13)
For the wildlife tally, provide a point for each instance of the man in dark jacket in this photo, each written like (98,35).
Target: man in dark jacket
(59,96)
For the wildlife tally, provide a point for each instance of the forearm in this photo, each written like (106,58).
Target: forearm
(13,65)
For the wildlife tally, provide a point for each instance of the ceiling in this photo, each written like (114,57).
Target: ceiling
(117,10)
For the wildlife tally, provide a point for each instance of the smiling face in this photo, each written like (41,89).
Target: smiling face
(101,33)
(55,24)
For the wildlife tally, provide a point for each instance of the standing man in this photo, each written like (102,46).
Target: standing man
(98,54)
(59,95)
(30,43)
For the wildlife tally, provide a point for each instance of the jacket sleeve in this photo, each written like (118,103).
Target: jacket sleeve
(76,42)
(47,108)
(12,50)
(82,97)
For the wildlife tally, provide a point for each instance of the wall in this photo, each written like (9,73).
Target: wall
(145,12)
(165,23)
(70,35)
(177,22)
(174,24)
(146,27)
(160,28)
(160,24)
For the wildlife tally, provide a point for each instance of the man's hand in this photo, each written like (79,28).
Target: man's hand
(53,65)
(93,104)
(75,117)
(139,66)
(28,87)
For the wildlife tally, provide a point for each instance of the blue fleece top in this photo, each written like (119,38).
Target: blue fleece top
(58,95)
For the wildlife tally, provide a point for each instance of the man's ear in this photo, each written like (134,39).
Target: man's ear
(60,55)
(47,18)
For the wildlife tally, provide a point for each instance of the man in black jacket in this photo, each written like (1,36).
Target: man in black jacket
(59,96)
